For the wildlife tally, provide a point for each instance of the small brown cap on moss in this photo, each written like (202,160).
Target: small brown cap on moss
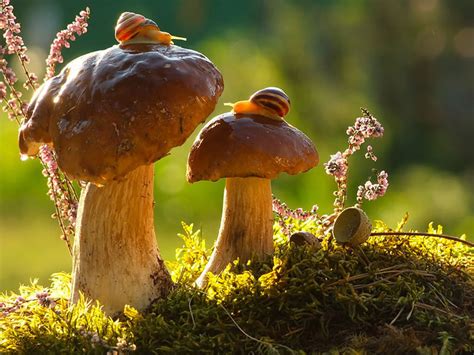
(247,145)
(352,227)
(110,111)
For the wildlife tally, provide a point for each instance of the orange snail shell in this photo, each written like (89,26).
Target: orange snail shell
(273,99)
(129,24)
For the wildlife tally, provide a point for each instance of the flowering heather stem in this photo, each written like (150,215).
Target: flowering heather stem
(371,191)
(20,109)
(31,78)
(12,110)
(283,210)
(365,127)
(79,27)
(65,202)
(61,190)
(284,213)
(14,44)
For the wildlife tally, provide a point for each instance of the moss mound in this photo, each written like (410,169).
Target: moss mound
(392,295)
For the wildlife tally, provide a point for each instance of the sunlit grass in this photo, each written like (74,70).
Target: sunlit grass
(396,294)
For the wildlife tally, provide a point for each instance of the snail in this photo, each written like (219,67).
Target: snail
(271,102)
(135,28)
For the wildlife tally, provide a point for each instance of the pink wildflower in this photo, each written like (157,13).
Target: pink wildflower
(370,153)
(285,213)
(44,299)
(365,127)
(78,26)
(11,33)
(8,73)
(60,190)
(3,90)
(371,191)
(60,193)
(14,45)
(337,166)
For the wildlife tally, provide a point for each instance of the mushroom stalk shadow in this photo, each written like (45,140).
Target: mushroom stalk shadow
(115,255)
(246,230)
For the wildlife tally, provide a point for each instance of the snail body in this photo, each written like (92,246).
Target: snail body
(271,102)
(136,28)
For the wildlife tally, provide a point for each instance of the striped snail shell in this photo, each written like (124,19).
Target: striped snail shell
(273,99)
(130,24)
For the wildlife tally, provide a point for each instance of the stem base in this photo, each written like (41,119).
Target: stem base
(115,256)
(246,230)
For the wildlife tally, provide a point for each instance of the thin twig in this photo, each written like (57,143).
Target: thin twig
(364,257)
(433,308)
(444,236)
(398,315)
(416,272)
(411,310)
(191,312)
(27,73)
(251,337)
(446,302)
(381,272)
(70,188)
(294,331)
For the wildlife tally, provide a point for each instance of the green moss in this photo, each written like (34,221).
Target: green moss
(393,295)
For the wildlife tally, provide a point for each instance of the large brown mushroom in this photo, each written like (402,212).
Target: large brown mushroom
(249,147)
(109,115)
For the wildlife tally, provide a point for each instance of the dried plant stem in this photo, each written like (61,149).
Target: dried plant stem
(70,189)
(27,73)
(341,196)
(61,190)
(265,343)
(58,212)
(391,271)
(433,308)
(444,236)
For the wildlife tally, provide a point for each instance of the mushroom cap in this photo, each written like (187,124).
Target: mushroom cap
(110,111)
(249,145)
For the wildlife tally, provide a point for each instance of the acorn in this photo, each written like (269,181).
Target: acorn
(352,227)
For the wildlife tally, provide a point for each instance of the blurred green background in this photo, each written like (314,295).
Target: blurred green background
(409,62)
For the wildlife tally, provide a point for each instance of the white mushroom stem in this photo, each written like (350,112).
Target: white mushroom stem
(115,255)
(246,230)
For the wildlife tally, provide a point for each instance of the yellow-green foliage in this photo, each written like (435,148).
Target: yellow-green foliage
(56,327)
(393,295)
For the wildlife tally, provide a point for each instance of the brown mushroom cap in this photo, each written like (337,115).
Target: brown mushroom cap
(110,111)
(248,145)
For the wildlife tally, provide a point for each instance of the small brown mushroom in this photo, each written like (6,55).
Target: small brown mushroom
(109,115)
(249,149)
(305,238)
